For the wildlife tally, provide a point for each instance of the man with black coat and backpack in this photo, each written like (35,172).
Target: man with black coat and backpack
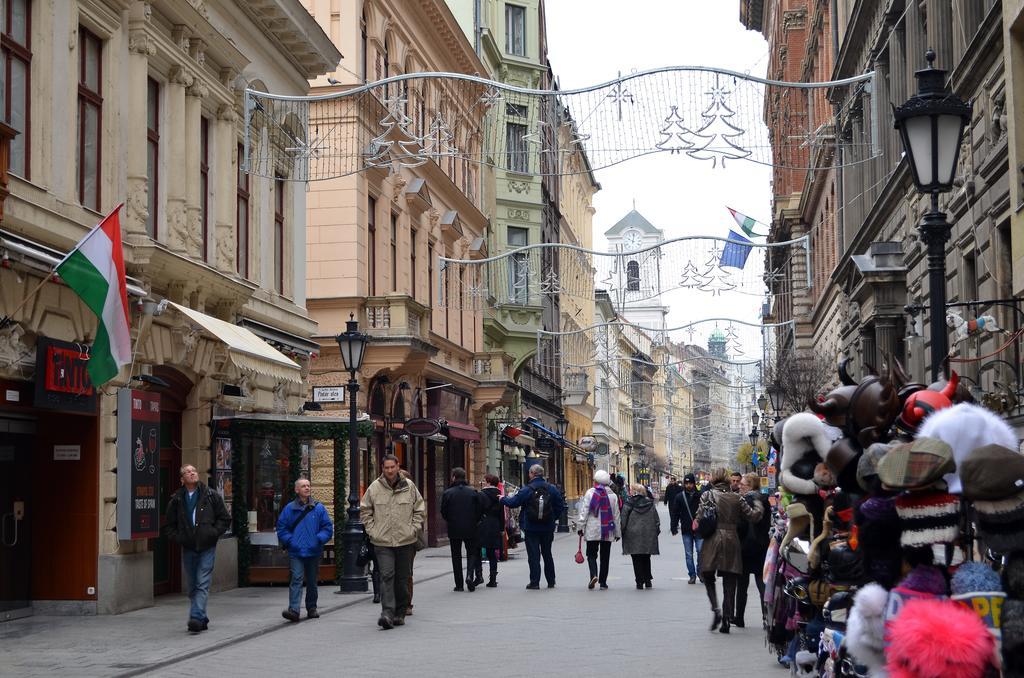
(196,518)
(684,511)
(303,528)
(541,504)
(462,508)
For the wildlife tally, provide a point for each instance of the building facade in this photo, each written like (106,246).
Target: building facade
(216,265)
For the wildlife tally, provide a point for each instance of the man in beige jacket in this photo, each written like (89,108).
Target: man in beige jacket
(393,511)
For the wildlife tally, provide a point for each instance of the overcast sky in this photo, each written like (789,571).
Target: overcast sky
(590,42)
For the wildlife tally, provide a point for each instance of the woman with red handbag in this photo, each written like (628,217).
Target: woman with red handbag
(598,524)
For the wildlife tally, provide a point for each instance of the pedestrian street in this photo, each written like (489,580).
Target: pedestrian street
(567,630)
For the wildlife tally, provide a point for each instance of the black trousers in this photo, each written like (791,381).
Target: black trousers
(741,592)
(605,549)
(642,567)
(472,558)
(493,556)
(729,580)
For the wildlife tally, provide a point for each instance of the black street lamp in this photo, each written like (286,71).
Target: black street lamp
(753,436)
(561,426)
(762,402)
(352,344)
(777,399)
(754,418)
(931,125)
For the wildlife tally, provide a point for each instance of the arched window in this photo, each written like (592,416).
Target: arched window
(633,276)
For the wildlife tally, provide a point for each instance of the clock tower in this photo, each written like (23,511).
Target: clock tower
(636,287)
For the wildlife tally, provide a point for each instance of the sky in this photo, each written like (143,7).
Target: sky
(590,42)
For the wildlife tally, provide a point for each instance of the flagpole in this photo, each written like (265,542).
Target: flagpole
(9,318)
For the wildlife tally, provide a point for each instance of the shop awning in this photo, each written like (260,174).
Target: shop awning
(463,431)
(245,349)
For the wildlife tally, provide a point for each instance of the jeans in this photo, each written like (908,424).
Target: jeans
(198,569)
(303,570)
(395,572)
(605,549)
(689,541)
(642,568)
(538,544)
(472,558)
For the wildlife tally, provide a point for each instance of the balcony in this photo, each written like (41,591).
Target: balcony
(575,388)
(492,366)
(396,316)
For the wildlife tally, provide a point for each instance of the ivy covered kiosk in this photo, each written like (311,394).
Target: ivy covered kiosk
(256,459)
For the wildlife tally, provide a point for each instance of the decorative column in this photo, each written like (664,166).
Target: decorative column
(915,39)
(140,48)
(968,15)
(897,68)
(174,158)
(194,243)
(885,336)
(868,352)
(225,176)
(940,32)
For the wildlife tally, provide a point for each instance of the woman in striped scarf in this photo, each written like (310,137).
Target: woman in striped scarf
(598,524)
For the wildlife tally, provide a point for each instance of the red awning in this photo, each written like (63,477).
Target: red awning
(463,431)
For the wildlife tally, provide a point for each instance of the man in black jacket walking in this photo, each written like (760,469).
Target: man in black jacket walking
(196,518)
(682,515)
(462,508)
(671,491)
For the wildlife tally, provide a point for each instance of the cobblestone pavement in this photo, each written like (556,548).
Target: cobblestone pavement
(570,630)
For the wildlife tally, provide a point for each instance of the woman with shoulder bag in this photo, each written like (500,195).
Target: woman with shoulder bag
(721,552)
(598,524)
(640,529)
(491,525)
(753,547)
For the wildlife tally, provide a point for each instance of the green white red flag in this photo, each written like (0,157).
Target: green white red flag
(94,269)
(745,222)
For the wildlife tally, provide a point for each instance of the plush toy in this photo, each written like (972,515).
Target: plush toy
(938,639)
(865,631)
(805,443)
(965,428)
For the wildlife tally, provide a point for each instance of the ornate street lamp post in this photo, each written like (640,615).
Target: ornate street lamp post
(629,462)
(777,399)
(762,402)
(561,426)
(352,344)
(931,124)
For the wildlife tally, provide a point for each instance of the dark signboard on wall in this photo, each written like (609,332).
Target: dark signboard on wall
(138,464)
(62,381)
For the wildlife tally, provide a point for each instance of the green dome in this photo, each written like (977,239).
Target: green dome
(717,335)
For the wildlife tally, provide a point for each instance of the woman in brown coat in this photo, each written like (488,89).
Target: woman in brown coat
(721,552)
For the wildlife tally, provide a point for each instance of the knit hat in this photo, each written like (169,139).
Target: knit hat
(1013,575)
(1001,523)
(601,477)
(976,586)
(916,464)
(921,645)
(974,576)
(992,472)
(1012,631)
(965,428)
(928,518)
(690,478)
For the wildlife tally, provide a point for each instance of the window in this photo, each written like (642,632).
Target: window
(520,266)
(462,306)
(279,235)
(430,283)
(371,245)
(242,217)
(633,276)
(394,252)
(515,30)
(204,184)
(362,45)
(516,159)
(413,233)
(90,109)
(16,55)
(152,156)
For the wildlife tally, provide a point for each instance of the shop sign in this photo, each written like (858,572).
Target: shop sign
(62,381)
(546,444)
(328,394)
(588,443)
(422,428)
(67,452)
(138,464)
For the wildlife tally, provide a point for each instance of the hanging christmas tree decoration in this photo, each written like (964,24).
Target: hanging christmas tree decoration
(732,341)
(690,276)
(438,141)
(550,284)
(395,146)
(717,133)
(675,134)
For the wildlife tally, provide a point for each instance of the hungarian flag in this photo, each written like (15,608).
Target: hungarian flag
(745,222)
(95,271)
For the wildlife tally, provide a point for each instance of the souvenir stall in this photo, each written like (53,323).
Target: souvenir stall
(898,541)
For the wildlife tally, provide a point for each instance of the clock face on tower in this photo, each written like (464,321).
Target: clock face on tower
(632,240)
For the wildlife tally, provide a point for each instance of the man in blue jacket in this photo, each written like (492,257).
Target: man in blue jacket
(303,528)
(541,504)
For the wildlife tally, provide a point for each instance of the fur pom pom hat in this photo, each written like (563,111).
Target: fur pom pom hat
(865,630)
(921,645)
(965,428)
(804,439)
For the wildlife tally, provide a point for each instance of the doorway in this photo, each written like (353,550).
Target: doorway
(173,401)
(15,503)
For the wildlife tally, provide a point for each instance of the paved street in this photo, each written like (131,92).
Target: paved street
(568,630)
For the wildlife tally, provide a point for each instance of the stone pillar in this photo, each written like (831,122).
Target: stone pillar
(868,349)
(897,70)
(224,173)
(194,242)
(140,48)
(968,15)
(940,32)
(885,337)
(915,41)
(175,230)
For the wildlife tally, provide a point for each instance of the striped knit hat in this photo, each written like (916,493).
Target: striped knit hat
(928,518)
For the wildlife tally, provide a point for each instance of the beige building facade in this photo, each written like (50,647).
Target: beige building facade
(142,102)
